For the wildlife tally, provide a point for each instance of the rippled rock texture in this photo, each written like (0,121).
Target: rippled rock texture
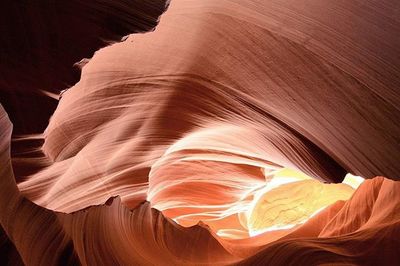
(207,140)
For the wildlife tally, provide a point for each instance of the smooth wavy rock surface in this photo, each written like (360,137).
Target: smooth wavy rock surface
(363,230)
(159,153)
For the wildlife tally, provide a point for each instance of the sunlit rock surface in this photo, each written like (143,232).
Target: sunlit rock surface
(286,205)
(216,139)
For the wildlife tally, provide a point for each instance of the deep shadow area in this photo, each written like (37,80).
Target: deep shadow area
(42,40)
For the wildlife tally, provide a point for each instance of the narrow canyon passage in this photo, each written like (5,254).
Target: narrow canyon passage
(213,132)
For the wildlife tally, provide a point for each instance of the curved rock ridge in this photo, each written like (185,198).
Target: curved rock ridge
(42,42)
(287,101)
(104,235)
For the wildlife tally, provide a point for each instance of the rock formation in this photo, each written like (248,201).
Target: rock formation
(220,137)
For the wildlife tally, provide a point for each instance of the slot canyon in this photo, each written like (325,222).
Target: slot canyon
(200,132)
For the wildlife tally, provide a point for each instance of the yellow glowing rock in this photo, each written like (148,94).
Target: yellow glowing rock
(353,180)
(289,204)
